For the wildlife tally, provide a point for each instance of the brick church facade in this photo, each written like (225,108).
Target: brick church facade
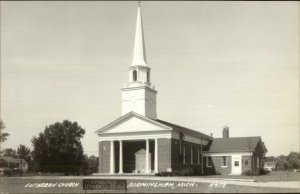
(140,143)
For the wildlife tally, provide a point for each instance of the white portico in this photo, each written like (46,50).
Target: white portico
(121,140)
(133,127)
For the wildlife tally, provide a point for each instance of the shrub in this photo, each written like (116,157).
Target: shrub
(264,171)
(247,173)
(187,171)
(166,173)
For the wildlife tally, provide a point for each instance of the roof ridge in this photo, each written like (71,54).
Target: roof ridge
(237,137)
(179,126)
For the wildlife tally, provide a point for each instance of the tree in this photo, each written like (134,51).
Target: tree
(270,158)
(92,164)
(58,148)
(24,152)
(293,160)
(3,136)
(10,152)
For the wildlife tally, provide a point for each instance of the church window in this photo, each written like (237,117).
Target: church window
(191,155)
(236,163)
(198,155)
(246,162)
(134,75)
(183,154)
(209,161)
(224,161)
(148,76)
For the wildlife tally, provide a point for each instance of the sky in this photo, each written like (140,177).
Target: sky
(213,64)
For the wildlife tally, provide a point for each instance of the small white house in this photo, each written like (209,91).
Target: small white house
(10,162)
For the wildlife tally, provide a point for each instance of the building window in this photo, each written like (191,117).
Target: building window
(183,154)
(246,162)
(257,162)
(224,161)
(192,155)
(198,155)
(236,163)
(134,75)
(209,161)
(148,76)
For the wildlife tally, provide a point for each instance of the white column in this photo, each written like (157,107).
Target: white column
(112,157)
(147,155)
(121,157)
(156,156)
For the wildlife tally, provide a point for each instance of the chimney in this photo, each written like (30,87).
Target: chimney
(211,134)
(225,132)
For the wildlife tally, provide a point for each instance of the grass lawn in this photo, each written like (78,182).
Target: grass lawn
(273,176)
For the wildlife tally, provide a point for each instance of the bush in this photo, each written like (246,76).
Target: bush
(264,171)
(261,171)
(247,173)
(187,171)
(165,173)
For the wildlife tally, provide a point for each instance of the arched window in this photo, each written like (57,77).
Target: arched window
(148,76)
(134,75)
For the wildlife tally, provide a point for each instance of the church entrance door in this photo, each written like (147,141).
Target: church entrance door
(140,161)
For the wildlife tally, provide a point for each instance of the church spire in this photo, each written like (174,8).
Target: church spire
(139,94)
(139,53)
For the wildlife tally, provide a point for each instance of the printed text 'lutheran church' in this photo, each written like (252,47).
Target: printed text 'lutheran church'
(139,142)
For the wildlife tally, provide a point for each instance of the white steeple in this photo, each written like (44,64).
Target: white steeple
(139,53)
(139,95)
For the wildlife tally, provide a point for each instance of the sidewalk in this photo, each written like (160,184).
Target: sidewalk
(241,182)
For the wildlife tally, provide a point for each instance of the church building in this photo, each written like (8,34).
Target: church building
(140,143)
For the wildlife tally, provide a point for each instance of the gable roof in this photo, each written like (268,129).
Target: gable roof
(163,124)
(130,115)
(234,144)
(185,130)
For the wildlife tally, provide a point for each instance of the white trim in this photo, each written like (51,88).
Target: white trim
(112,157)
(147,156)
(121,157)
(127,116)
(135,136)
(156,156)
(228,154)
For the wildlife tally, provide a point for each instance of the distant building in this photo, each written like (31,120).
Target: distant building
(13,163)
(139,142)
(234,155)
(271,165)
